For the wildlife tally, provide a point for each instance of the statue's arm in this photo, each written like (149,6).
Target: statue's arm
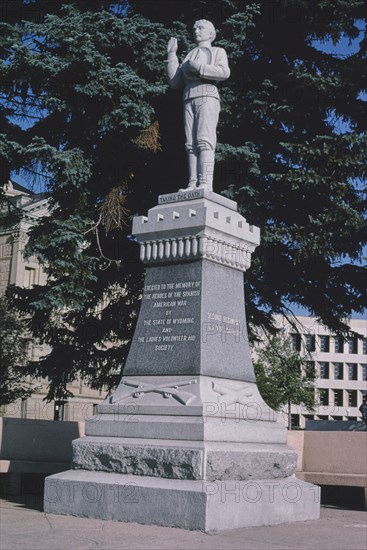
(219,71)
(174,72)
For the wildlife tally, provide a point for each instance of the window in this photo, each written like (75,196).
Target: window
(310,342)
(308,417)
(338,398)
(361,397)
(324,369)
(59,410)
(364,344)
(310,367)
(295,420)
(338,371)
(23,408)
(29,277)
(353,345)
(31,349)
(352,371)
(352,398)
(5,250)
(364,371)
(296,342)
(339,344)
(324,397)
(325,343)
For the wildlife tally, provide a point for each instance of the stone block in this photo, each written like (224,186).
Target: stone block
(189,428)
(195,505)
(184,459)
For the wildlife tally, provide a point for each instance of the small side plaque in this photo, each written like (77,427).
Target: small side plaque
(197,194)
(181,196)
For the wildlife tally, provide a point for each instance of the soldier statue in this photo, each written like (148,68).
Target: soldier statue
(201,69)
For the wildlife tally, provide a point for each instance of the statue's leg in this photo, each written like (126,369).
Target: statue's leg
(190,144)
(206,168)
(207,120)
(192,158)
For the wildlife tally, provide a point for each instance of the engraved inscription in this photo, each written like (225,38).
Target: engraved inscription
(224,324)
(170,320)
(181,196)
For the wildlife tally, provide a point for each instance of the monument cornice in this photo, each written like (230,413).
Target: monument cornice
(193,247)
(195,226)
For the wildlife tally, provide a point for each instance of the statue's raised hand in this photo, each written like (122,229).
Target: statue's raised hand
(172,46)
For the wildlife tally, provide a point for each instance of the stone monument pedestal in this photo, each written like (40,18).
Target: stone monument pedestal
(186,439)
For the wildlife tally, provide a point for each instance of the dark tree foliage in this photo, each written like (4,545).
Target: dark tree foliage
(13,357)
(107,131)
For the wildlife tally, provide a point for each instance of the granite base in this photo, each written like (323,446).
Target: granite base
(184,459)
(195,505)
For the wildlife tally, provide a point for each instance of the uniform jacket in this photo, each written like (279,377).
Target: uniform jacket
(210,72)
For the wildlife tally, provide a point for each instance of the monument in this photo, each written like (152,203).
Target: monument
(186,439)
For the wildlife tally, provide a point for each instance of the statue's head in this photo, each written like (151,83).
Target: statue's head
(204,30)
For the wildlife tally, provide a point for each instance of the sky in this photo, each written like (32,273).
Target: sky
(344,47)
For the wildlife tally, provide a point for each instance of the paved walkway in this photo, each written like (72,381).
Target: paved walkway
(24,528)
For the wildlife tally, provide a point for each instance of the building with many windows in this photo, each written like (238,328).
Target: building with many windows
(340,366)
(29,207)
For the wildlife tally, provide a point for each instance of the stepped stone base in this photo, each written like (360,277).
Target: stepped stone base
(196,505)
(186,439)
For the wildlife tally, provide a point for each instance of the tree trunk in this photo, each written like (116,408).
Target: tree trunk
(289,415)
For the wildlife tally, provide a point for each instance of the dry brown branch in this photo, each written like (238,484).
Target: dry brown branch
(114,214)
(149,138)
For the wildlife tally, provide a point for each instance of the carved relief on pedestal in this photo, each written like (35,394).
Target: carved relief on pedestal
(230,396)
(139,389)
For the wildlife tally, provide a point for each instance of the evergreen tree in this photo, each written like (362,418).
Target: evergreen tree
(13,357)
(106,134)
(283,376)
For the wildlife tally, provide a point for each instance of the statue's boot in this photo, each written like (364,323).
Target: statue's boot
(206,169)
(193,172)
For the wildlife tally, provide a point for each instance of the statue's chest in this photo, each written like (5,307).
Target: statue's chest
(203,55)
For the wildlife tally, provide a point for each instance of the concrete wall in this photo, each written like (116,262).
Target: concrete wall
(331,458)
(338,452)
(36,446)
(44,446)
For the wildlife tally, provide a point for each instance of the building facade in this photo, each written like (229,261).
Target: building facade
(28,208)
(340,366)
